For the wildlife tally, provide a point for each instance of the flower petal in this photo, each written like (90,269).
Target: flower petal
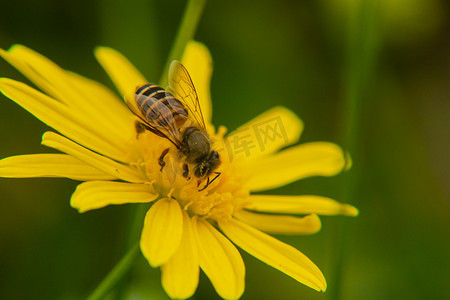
(49,165)
(121,71)
(220,260)
(105,164)
(63,119)
(163,229)
(198,61)
(306,160)
(112,110)
(27,70)
(97,194)
(180,274)
(275,253)
(276,224)
(299,205)
(40,70)
(265,134)
(71,89)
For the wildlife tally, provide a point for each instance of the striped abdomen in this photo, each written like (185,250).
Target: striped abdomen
(159,107)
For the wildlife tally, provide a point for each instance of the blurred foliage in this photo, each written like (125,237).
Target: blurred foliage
(291,53)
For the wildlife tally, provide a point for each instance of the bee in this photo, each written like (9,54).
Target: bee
(175,114)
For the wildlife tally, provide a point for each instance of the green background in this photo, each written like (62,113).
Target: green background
(391,59)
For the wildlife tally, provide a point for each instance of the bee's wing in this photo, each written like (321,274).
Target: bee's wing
(180,84)
(131,103)
(165,125)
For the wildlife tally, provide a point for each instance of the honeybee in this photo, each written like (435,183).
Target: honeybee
(175,114)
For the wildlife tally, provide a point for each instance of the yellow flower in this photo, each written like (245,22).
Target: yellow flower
(185,229)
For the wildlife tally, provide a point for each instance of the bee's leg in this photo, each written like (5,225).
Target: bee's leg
(186,171)
(208,182)
(161,161)
(140,128)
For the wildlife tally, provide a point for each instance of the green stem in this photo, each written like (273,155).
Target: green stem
(133,229)
(186,31)
(116,274)
(362,54)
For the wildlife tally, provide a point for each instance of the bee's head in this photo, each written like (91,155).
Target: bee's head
(205,168)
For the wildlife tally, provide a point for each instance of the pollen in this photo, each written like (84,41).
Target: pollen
(217,202)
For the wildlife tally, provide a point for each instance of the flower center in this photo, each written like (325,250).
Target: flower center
(172,176)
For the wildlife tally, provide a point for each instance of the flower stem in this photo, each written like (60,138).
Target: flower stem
(185,33)
(363,38)
(116,274)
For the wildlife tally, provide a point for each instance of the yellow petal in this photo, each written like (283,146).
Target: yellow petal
(220,260)
(275,253)
(267,133)
(306,160)
(96,194)
(28,71)
(163,229)
(276,224)
(49,165)
(62,118)
(100,162)
(299,205)
(124,75)
(66,87)
(197,60)
(180,274)
(116,115)
(43,72)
